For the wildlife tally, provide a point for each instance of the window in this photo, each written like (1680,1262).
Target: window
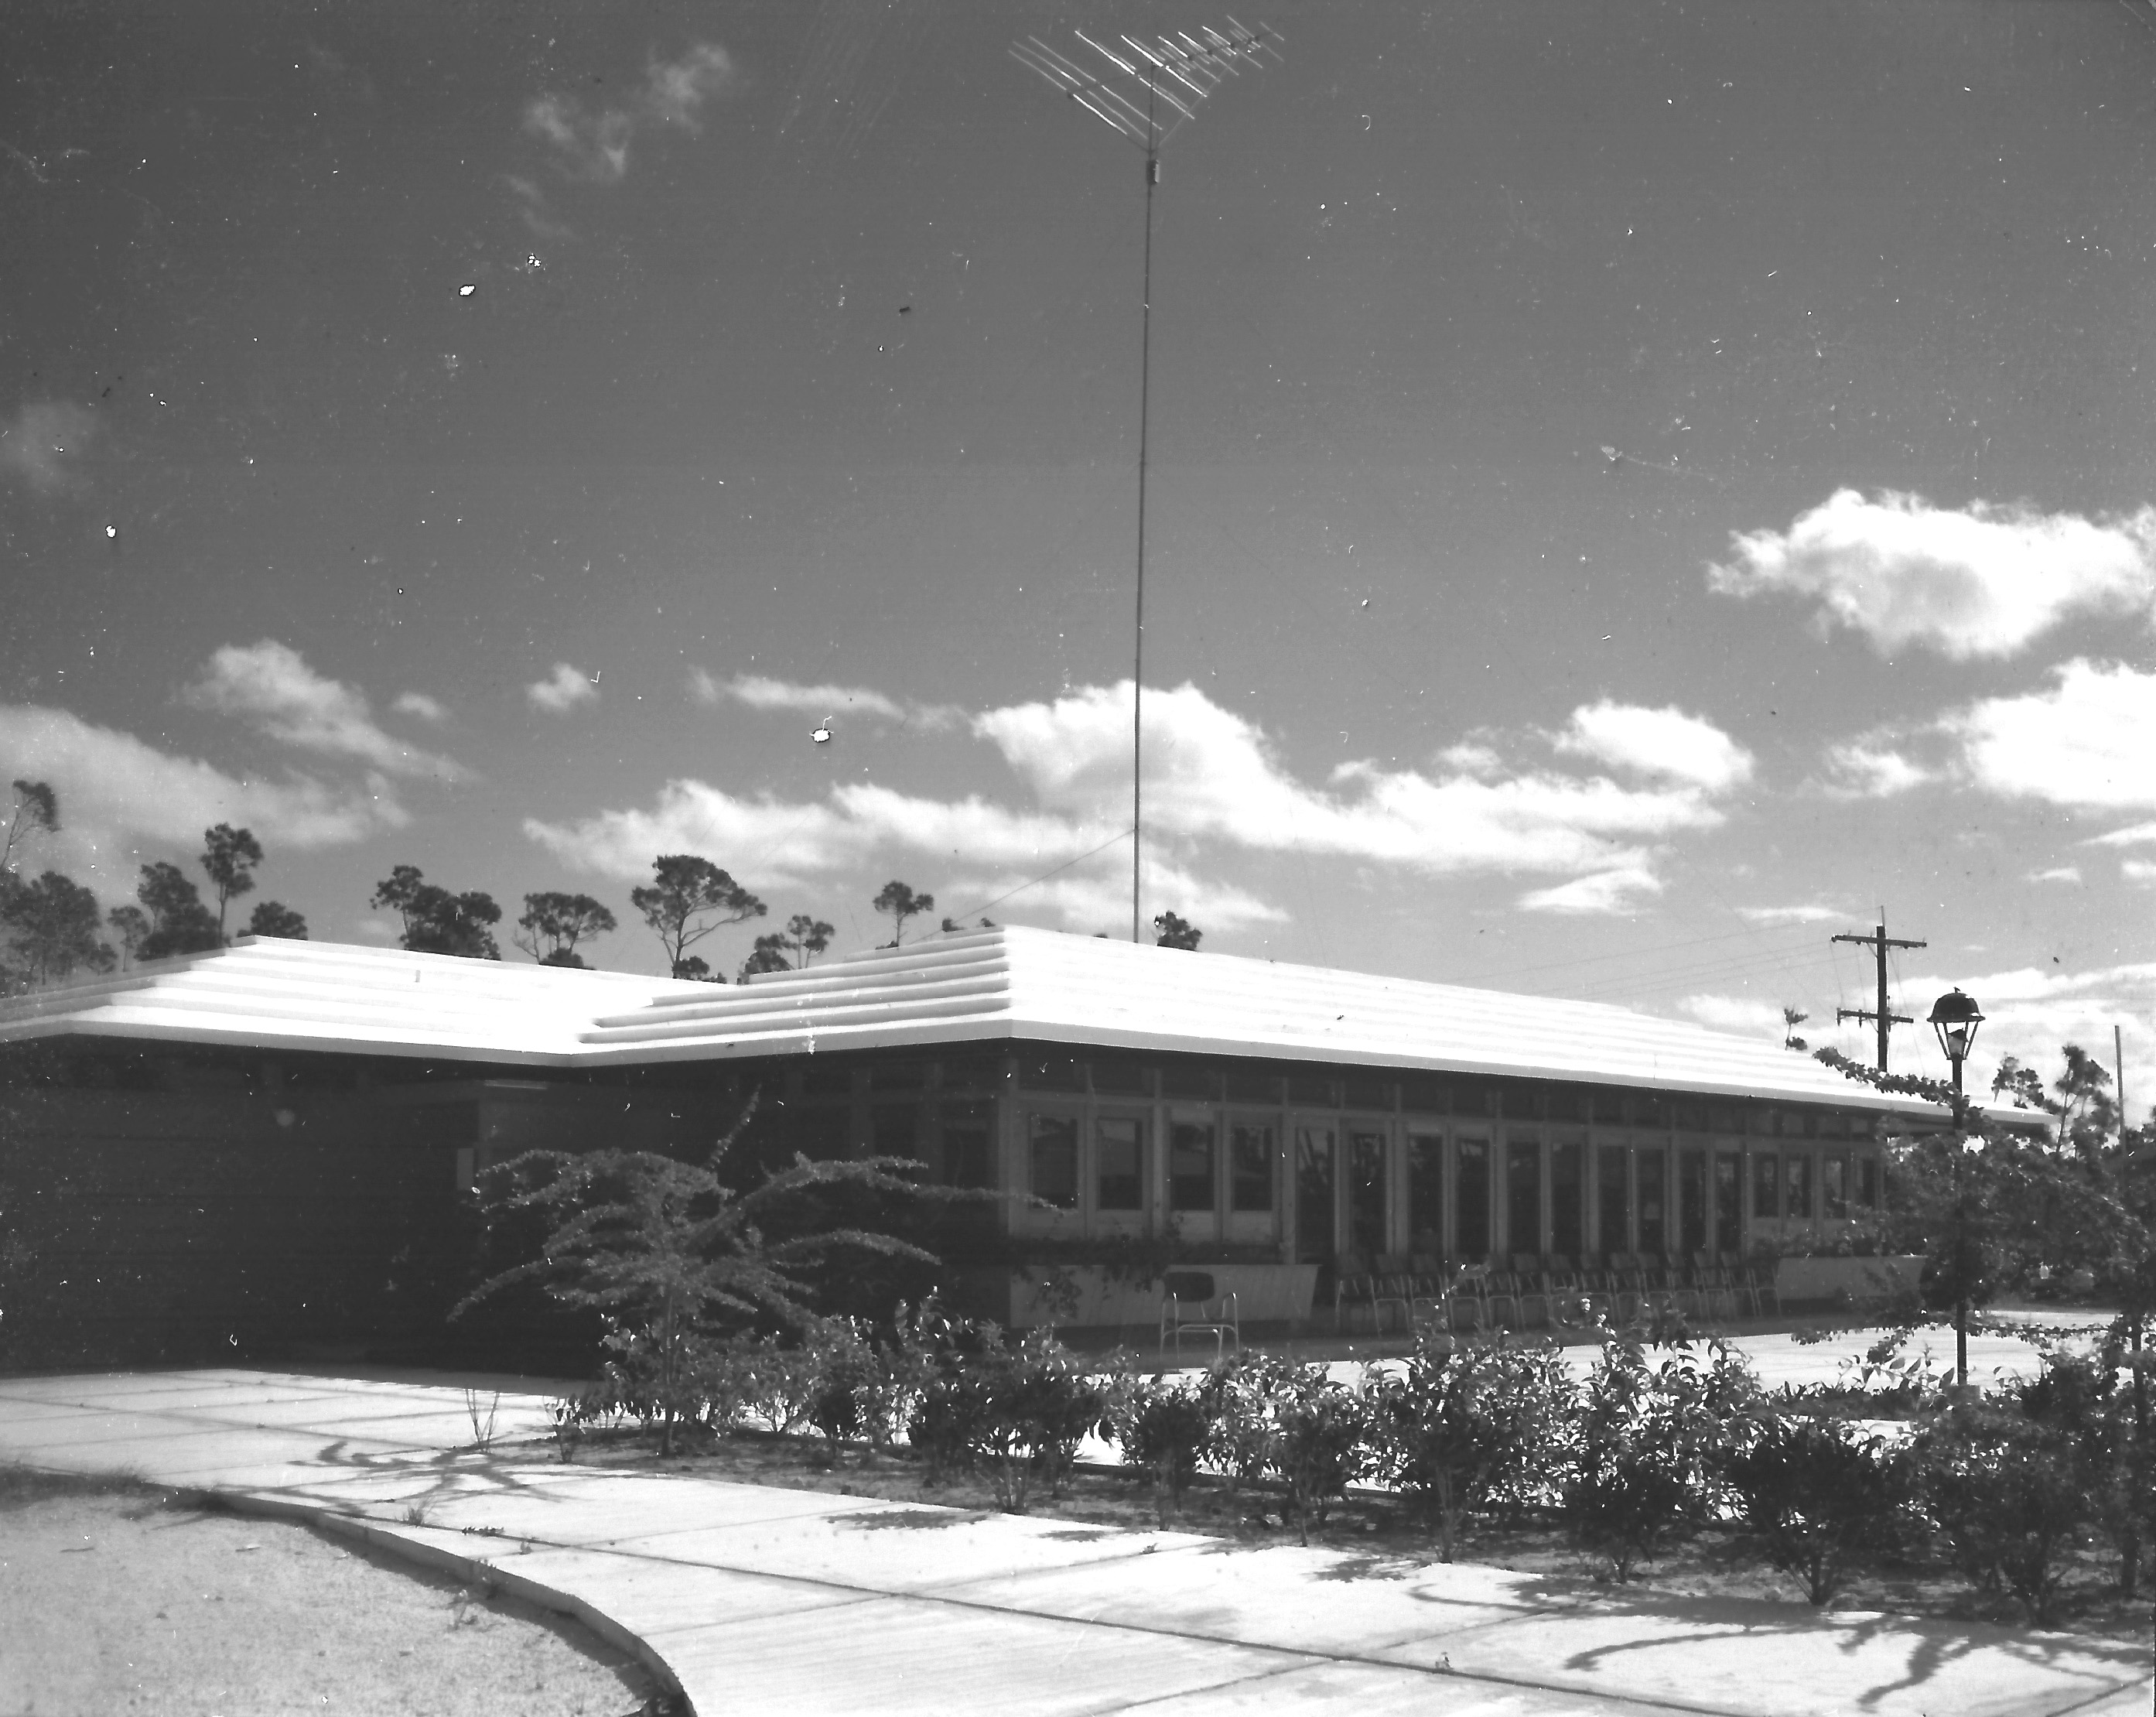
(968,1141)
(1834,1183)
(822,1134)
(1519,1100)
(1253,1085)
(1426,1192)
(1319,1093)
(896,1130)
(1190,1174)
(1123,1078)
(898,1076)
(826,1080)
(1608,1107)
(1766,1188)
(1728,1201)
(1867,1183)
(1313,1194)
(1427,1097)
(1364,1093)
(1611,1205)
(1367,1231)
(1051,1073)
(1118,1162)
(1691,1201)
(1799,1181)
(1523,1198)
(1251,1165)
(1654,1203)
(1471,1193)
(1566,1193)
(1052,1158)
(1198,1079)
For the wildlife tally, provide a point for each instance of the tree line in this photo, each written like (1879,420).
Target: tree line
(51,928)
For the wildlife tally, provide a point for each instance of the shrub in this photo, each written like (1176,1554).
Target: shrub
(1460,1431)
(2009,1497)
(1163,1430)
(1237,1397)
(1816,1494)
(1318,1442)
(1021,1411)
(1644,1471)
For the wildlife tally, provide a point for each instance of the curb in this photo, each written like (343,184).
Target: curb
(473,1571)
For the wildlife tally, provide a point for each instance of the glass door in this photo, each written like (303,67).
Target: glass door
(1366,1232)
(1316,1199)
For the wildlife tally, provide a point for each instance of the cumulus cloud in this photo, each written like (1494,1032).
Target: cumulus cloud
(417,703)
(38,445)
(115,790)
(1213,779)
(591,141)
(2137,834)
(1977,582)
(271,685)
(762,691)
(2058,873)
(1771,915)
(562,690)
(1665,742)
(2139,872)
(1735,1013)
(2030,1013)
(1212,774)
(1868,768)
(2084,741)
(1601,894)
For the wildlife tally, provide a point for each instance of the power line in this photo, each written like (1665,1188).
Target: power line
(1878,942)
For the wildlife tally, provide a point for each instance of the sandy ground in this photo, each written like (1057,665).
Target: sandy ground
(130,1601)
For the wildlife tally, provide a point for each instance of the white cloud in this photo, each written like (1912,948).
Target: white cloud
(562,690)
(2085,742)
(1735,1013)
(2137,835)
(1211,774)
(417,703)
(1211,777)
(1982,581)
(270,685)
(2058,873)
(1865,768)
(592,143)
(1604,893)
(1656,741)
(2141,872)
(2030,1013)
(36,447)
(1788,914)
(115,790)
(763,692)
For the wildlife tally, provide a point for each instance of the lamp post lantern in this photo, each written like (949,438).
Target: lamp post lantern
(1955,1017)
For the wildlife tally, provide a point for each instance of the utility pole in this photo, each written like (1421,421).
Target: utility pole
(1878,942)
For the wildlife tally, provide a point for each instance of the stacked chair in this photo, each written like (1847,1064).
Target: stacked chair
(1357,1285)
(1754,1278)
(1716,1286)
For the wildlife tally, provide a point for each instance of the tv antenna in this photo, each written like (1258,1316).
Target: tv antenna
(1145,91)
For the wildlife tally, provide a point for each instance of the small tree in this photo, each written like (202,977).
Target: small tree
(35,810)
(230,856)
(790,949)
(179,922)
(1817,1494)
(131,925)
(672,1255)
(554,922)
(1175,932)
(690,898)
(272,917)
(902,903)
(1791,1019)
(52,925)
(437,921)
(2086,1113)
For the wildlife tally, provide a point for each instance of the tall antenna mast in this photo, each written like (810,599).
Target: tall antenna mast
(1145,92)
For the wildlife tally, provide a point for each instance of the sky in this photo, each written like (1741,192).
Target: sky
(1635,490)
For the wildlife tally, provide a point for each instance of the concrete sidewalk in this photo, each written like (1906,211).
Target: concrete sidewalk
(755,1599)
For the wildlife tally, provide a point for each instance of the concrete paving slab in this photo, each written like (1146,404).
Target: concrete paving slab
(1764,1659)
(903,1548)
(1286,1597)
(900,1656)
(1372,1690)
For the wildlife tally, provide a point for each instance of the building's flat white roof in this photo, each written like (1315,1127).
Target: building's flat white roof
(978,987)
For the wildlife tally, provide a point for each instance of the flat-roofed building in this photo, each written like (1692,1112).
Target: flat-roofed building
(267,1144)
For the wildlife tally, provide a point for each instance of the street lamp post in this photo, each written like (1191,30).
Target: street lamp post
(1955,1017)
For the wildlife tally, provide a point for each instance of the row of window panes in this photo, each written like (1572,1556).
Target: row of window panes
(1195,1162)
(1524,1100)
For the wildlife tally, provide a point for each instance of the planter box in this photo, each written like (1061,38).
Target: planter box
(1265,1293)
(1838,1281)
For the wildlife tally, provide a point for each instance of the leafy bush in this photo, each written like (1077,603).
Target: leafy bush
(1019,1410)
(1460,1432)
(1816,1494)
(2009,1495)
(1164,1430)
(1645,1470)
(1318,1440)
(1236,1397)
